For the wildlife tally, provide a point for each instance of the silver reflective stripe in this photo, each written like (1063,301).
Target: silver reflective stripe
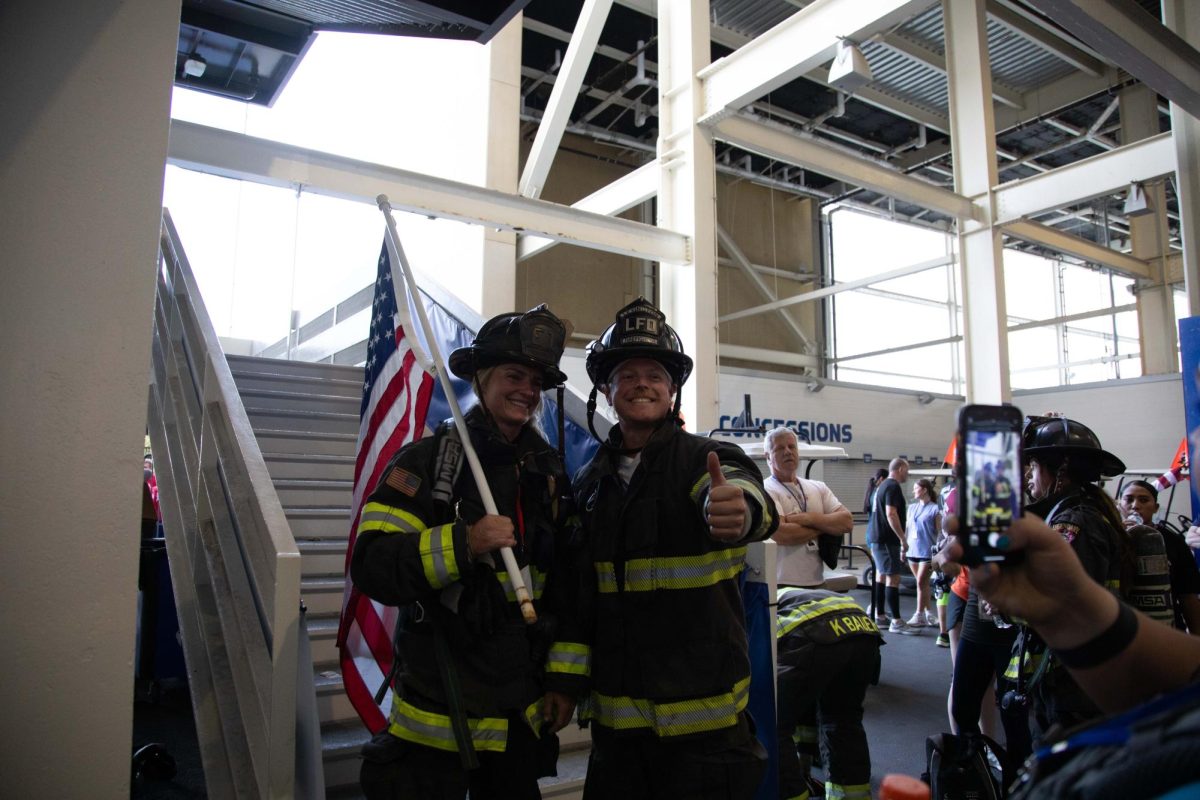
(437,555)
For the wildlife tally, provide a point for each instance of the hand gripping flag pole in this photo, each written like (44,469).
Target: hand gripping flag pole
(439,365)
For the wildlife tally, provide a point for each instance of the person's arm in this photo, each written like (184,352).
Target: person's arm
(793,532)
(838,520)
(893,517)
(1049,589)
(736,506)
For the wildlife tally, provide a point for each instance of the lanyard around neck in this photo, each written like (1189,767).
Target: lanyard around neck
(797,492)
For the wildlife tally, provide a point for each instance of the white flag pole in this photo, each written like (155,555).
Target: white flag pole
(435,356)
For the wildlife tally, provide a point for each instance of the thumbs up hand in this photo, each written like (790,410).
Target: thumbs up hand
(726,508)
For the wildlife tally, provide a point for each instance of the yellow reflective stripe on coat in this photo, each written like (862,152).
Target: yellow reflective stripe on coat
(1032,660)
(536,584)
(670,719)
(437,556)
(705,480)
(787,621)
(382,517)
(804,734)
(569,658)
(533,715)
(679,572)
(838,791)
(435,730)
(802,796)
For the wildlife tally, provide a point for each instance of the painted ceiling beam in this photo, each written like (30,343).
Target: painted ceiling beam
(1091,252)
(1045,38)
(627,191)
(562,97)
(1082,180)
(827,291)
(236,155)
(1137,42)
(830,160)
(800,43)
(730,246)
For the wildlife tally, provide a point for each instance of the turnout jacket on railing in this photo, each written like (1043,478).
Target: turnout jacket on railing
(669,640)
(411,551)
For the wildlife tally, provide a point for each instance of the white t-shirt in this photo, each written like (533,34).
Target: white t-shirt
(800,564)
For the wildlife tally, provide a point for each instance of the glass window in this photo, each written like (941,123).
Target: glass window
(1029,290)
(903,311)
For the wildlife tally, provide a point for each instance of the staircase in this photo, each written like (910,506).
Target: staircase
(305,418)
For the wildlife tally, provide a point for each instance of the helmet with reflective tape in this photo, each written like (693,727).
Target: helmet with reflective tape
(534,339)
(1056,435)
(640,331)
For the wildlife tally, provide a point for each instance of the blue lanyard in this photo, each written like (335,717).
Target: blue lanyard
(797,492)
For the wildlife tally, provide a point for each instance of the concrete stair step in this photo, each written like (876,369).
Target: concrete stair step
(253,365)
(312,400)
(321,556)
(341,743)
(322,636)
(267,418)
(332,703)
(322,594)
(260,381)
(300,466)
(315,523)
(308,492)
(285,439)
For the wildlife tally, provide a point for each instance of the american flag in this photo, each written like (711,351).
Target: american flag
(396,392)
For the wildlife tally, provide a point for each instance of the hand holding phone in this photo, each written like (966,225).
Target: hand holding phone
(988,471)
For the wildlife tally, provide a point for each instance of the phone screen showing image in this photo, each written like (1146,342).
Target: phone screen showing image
(990,494)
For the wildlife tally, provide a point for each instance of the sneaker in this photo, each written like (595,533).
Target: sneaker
(917,620)
(882,619)
(901,627)
(943,640)
(931,620)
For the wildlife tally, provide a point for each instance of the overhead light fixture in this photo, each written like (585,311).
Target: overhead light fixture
(1137,202)
(814,386)
(924,398)
(194,66)
(849,69)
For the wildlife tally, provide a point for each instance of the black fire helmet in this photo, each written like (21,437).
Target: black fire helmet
(535,339)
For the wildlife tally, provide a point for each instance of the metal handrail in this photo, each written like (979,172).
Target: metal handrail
(235,566)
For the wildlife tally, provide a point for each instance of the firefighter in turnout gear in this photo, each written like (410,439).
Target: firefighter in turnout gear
(1065,460)
(667,516)
(479,694)
(828,655)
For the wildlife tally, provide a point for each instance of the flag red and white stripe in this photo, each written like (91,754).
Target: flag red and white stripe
(396,391)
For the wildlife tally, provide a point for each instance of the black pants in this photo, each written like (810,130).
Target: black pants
(976,664)
(723,765)
(823,687)
(395,769)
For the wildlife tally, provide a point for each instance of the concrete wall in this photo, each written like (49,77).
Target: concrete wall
(83,138)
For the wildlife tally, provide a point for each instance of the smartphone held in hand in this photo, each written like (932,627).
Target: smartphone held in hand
(989,474)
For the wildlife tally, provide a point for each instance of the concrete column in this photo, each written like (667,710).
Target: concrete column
(1183,17)
(687,201)
(1148,238)
(83,141)
(500,143)
(973,135)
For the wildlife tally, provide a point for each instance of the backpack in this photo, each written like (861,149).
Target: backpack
(958,769)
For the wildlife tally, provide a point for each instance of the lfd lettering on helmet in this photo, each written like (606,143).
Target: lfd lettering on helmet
(641,323)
